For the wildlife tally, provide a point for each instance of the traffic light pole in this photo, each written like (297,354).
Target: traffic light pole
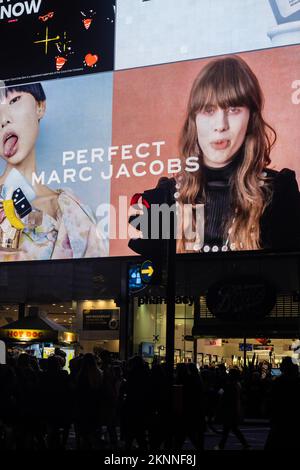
(170,294)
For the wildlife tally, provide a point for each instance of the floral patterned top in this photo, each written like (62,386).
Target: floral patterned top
(73,234)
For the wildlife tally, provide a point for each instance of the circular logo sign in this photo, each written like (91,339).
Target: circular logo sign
(113,324)
(241,299)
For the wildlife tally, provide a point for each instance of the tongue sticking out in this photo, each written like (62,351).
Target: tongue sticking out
(10,146)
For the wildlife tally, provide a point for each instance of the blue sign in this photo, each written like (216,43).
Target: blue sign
(139,275)
(249,347)
(135,281)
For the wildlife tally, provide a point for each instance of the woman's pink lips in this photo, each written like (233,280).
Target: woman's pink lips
(221,144)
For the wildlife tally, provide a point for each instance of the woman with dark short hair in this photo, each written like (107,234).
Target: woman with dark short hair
(36,222)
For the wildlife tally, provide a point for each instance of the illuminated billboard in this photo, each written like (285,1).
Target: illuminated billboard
(218,124)
(224,120)
(52,141)
(153,32)
(229,170)
(47,39)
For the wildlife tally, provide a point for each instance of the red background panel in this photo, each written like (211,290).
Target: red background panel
(149,105)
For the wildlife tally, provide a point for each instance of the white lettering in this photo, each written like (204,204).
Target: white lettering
(158,145)
(174,165)
(160,169)
(33,7)
(54,177)
(134,169)
(123,171)
(192,164)
(112,152)
(296,94)
(107,177)
(82,171)
(69,155)
(81,157)
(123,220)
(37,179)
(140,221)
(5,11)
(126,155)
(103,226)
(97,153)
(69,174)
(19,8)
(138,152)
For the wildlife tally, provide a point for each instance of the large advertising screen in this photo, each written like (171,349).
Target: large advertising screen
(230,168)
(204,128)
(153,32)
(46,39)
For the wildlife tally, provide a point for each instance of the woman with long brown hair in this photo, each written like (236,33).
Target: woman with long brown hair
(246,205)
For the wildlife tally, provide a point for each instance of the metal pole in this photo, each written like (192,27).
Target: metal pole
(195,350)
(125,319)
(245,354)
(21,311)
(196,320)
(171,282)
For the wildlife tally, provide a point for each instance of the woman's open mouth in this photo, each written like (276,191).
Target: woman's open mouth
(10,145)
(220,144)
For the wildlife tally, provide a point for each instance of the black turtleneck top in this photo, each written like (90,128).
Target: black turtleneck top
(218,210)
(280,222)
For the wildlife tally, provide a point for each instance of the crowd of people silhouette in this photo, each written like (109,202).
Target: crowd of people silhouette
(133,405)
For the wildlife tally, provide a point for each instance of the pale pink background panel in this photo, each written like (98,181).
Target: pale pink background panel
(149,106)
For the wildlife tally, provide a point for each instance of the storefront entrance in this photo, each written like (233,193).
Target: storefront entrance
(149,338)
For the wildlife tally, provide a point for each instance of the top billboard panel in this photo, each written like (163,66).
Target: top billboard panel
(44,39)
(158,31)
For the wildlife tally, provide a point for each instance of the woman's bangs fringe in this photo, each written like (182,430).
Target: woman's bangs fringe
(223,92)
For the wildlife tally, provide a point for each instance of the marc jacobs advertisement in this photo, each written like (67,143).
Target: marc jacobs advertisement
(212,141)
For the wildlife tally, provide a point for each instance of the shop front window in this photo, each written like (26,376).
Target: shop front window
(150,330)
